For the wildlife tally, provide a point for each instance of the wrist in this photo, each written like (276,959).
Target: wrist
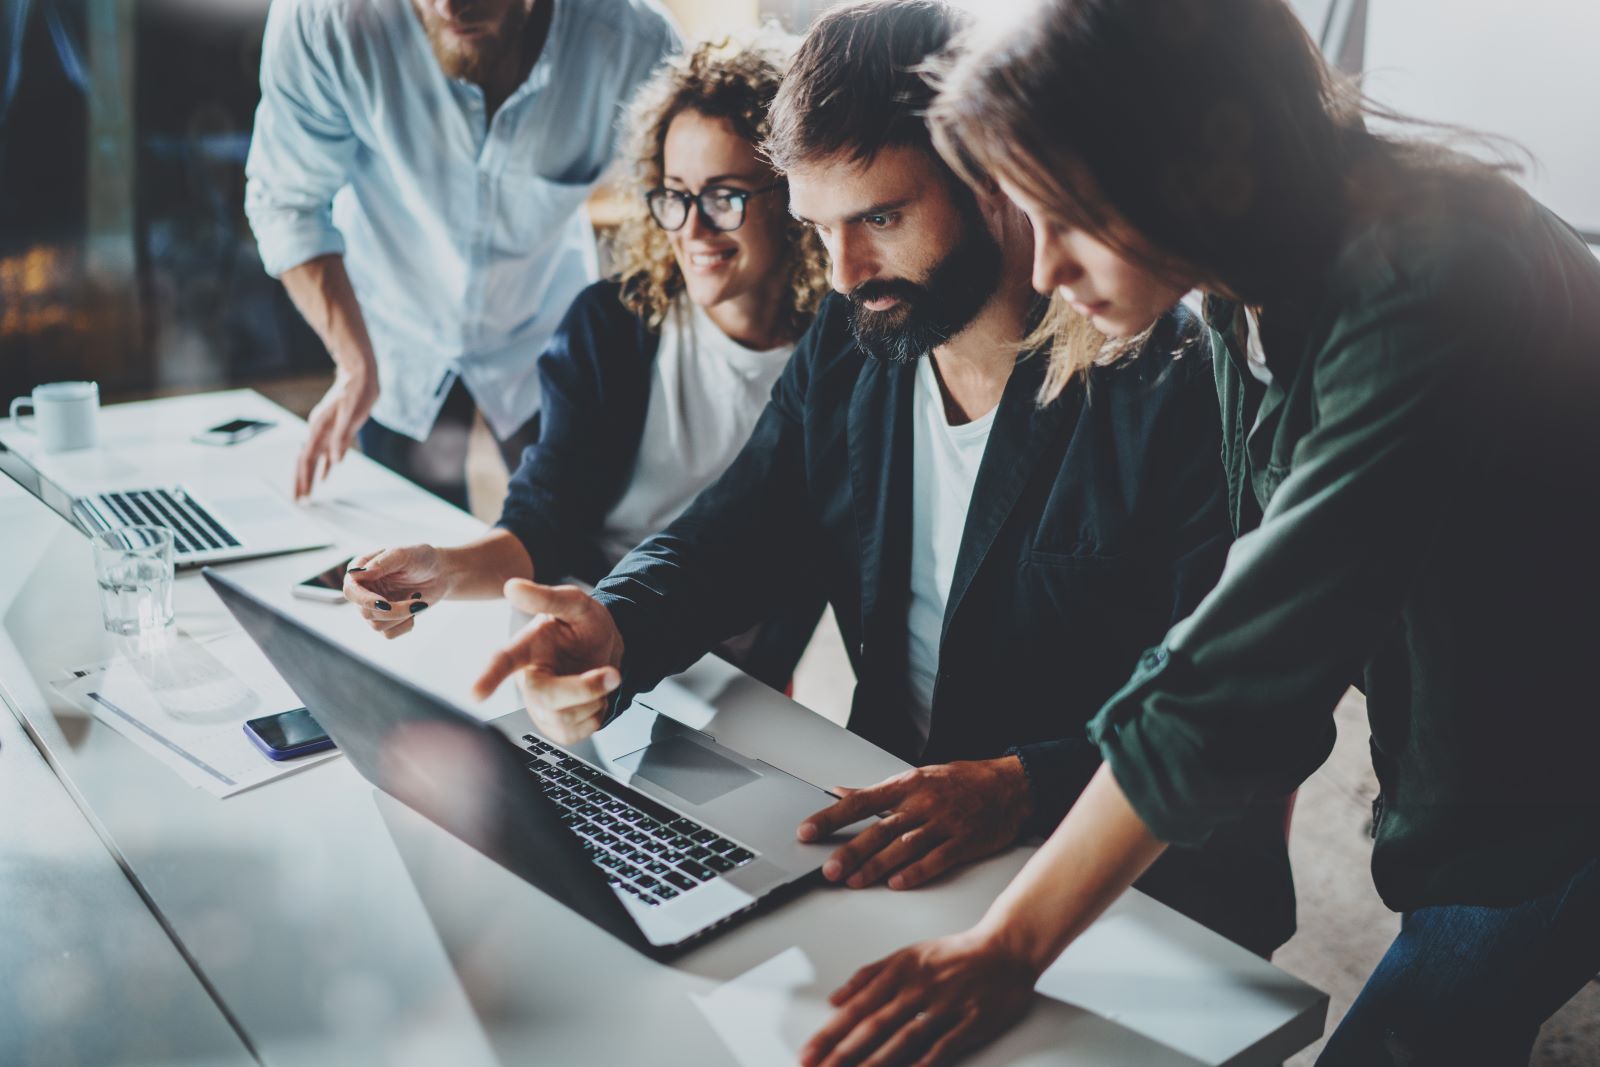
(1018,786)
(356,366)
(475,570)
(449,569)
(618,646)
(1003,938)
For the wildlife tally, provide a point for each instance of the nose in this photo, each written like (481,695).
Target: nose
(695,225)
(1054,265)
(851,262)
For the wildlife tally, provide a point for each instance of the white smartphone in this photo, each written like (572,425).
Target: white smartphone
(232,432)
(327,586)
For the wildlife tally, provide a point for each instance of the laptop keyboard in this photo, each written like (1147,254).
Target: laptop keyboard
(645,848)
(193,528)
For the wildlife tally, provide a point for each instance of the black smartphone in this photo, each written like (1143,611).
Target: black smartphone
(288,734)
(232,432)
(327,586)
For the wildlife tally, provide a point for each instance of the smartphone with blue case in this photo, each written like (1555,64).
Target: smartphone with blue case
(288,734)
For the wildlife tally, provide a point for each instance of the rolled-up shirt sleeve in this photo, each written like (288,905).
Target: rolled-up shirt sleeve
(302,147)
(1236,704)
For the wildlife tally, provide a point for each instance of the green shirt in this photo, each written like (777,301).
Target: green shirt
(1418,492)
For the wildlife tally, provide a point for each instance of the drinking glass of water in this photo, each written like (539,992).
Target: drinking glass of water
(133,567)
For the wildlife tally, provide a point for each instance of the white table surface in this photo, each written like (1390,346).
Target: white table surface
(339,927)
(89,974)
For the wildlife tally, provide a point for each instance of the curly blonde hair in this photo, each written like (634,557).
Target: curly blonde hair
(733,79)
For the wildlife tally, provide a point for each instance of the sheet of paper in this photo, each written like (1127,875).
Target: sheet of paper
(767,1014)
(185,702)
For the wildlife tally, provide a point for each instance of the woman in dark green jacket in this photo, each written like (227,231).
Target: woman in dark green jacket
(1407,350)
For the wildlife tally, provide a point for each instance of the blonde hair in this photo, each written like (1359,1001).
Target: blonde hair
(1072,346)
(733,79)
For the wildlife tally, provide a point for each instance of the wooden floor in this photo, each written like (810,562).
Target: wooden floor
(1344,927)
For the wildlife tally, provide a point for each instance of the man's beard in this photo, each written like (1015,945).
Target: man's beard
(475,61)
(936,309)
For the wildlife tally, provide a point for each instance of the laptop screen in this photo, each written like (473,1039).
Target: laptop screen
(27,475)
(438,760)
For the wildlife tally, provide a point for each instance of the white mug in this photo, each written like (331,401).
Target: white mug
(65,415)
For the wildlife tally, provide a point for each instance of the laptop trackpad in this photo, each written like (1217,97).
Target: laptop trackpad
(686,769)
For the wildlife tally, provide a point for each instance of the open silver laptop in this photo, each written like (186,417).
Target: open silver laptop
(212,520)
(656,833)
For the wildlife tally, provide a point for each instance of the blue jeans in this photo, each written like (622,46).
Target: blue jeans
(1472,985)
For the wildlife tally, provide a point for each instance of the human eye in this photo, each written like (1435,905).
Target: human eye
(881,221)
(723,197)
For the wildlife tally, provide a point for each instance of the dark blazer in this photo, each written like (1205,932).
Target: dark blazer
(595,377)
(1095,523)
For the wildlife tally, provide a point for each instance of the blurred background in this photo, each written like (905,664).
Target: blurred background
(125,257)
(124,252)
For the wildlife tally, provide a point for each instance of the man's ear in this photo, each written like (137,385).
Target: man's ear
(993,204)
(1004,217)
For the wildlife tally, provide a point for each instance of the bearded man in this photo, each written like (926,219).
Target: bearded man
(416,178)
(996,566)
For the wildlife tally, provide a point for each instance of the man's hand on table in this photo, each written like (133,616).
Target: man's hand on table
(928,1004)
(332,425)
(567,661)
(933,819)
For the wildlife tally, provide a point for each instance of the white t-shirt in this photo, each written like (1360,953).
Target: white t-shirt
(944,468)
(706,393)
(1255,355)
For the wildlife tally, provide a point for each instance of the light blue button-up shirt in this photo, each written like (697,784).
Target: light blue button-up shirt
(465,238)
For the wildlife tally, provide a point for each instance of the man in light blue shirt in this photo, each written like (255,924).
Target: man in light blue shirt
(416,178)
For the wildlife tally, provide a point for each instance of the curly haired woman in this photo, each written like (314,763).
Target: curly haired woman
(658,374)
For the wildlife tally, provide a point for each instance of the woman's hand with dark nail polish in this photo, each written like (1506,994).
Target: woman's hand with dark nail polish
(393,585)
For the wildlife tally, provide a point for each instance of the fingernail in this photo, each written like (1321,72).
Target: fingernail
(806,831)
(612,680)
(897,882)
(382,605)
(416,607)
(354,570)
(830,870)
(856,881)
(416,596)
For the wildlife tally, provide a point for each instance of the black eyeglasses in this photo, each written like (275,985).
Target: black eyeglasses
(721,208)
